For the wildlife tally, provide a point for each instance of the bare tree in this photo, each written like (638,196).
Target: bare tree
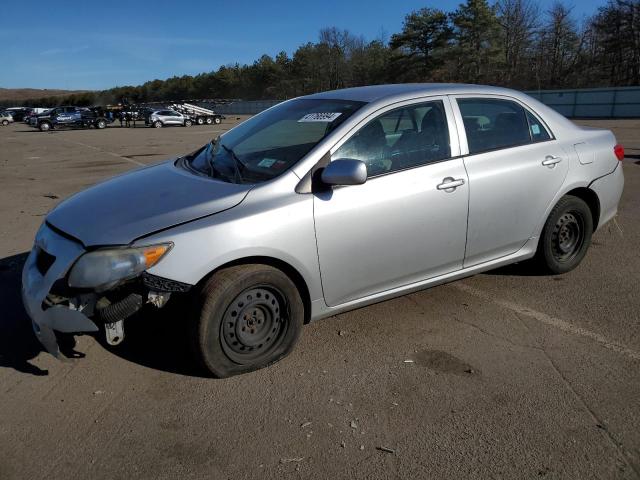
(559,47)
(519,22)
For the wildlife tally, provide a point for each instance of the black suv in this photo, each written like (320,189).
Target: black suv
(69,117)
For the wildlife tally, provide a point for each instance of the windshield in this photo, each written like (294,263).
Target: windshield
(270,143)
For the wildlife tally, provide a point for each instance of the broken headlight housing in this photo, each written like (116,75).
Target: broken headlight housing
(106,268)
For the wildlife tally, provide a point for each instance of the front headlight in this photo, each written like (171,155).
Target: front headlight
(104,269)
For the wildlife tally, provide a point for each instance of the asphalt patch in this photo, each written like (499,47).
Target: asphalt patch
(443,362)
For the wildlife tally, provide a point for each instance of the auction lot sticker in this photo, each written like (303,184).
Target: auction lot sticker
(320,117)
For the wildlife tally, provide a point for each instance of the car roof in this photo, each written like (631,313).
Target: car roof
(374,93)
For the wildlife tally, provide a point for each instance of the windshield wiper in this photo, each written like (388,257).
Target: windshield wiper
(213,171)
(237,163)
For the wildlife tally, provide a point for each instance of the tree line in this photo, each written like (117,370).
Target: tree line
(511,43)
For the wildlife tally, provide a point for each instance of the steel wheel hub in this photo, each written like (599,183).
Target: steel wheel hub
(252,325)
(568,236)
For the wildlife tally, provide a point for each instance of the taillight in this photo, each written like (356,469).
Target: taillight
(619,151)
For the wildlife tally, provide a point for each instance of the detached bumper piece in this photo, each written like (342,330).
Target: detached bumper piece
(41,270)
(160,284)
(53,306)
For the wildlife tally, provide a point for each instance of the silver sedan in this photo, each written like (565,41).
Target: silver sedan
(162,118)
(323,204)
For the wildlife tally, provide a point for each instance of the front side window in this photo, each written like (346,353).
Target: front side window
(271,142)
(491,124)
(402,138)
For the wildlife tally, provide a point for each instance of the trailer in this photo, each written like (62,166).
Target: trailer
(199,115)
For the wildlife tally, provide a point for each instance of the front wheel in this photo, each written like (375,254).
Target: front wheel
(157,124)
(188,123)
(5,123)
(566,236)
(247,317)
(45,126)
(101,124)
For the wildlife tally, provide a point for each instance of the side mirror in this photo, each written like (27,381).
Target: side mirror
(344,171)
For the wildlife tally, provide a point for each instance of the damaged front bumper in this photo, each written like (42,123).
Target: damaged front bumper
(49,261)
(53,306)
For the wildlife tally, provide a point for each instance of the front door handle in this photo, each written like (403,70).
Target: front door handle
(449,184)
(551,161)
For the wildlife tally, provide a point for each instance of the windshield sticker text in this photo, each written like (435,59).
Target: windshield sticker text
(267,162)
(320,117)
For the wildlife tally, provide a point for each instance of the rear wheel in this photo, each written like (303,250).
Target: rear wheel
(101,124)
(248,317)
(566,236)
(200,121)
(209,120)
(217,120)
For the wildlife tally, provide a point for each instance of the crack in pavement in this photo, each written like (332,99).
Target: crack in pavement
(549,320)
(626,457)
(519,310)
(135,162)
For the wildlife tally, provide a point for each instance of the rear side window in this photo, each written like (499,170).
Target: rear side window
(538,131)
(491,124)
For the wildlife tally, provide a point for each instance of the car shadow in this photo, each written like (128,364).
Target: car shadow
(18,343)
(521,269)
(158,339)
(154,338)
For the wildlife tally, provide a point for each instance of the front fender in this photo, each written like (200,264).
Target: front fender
(285,233)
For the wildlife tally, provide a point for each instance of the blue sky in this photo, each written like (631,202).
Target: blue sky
(95,45)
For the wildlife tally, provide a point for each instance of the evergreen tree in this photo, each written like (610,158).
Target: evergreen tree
(477,42)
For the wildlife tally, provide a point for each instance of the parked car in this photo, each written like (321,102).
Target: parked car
(32,113)
(70,117)
(168,118)
(18,113)
(5,118)
(320,205)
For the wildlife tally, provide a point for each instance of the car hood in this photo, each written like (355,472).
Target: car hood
(127,207)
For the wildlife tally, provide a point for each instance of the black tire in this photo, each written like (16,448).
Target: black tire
(101,124)
(209,120)
(188,123)
(200,121)
(5,123)
(246,317)
(566,236)
(217,120)
(45,127)
(157,124)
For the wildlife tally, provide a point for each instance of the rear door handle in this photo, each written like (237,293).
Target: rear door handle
(551,161)
(449,184)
